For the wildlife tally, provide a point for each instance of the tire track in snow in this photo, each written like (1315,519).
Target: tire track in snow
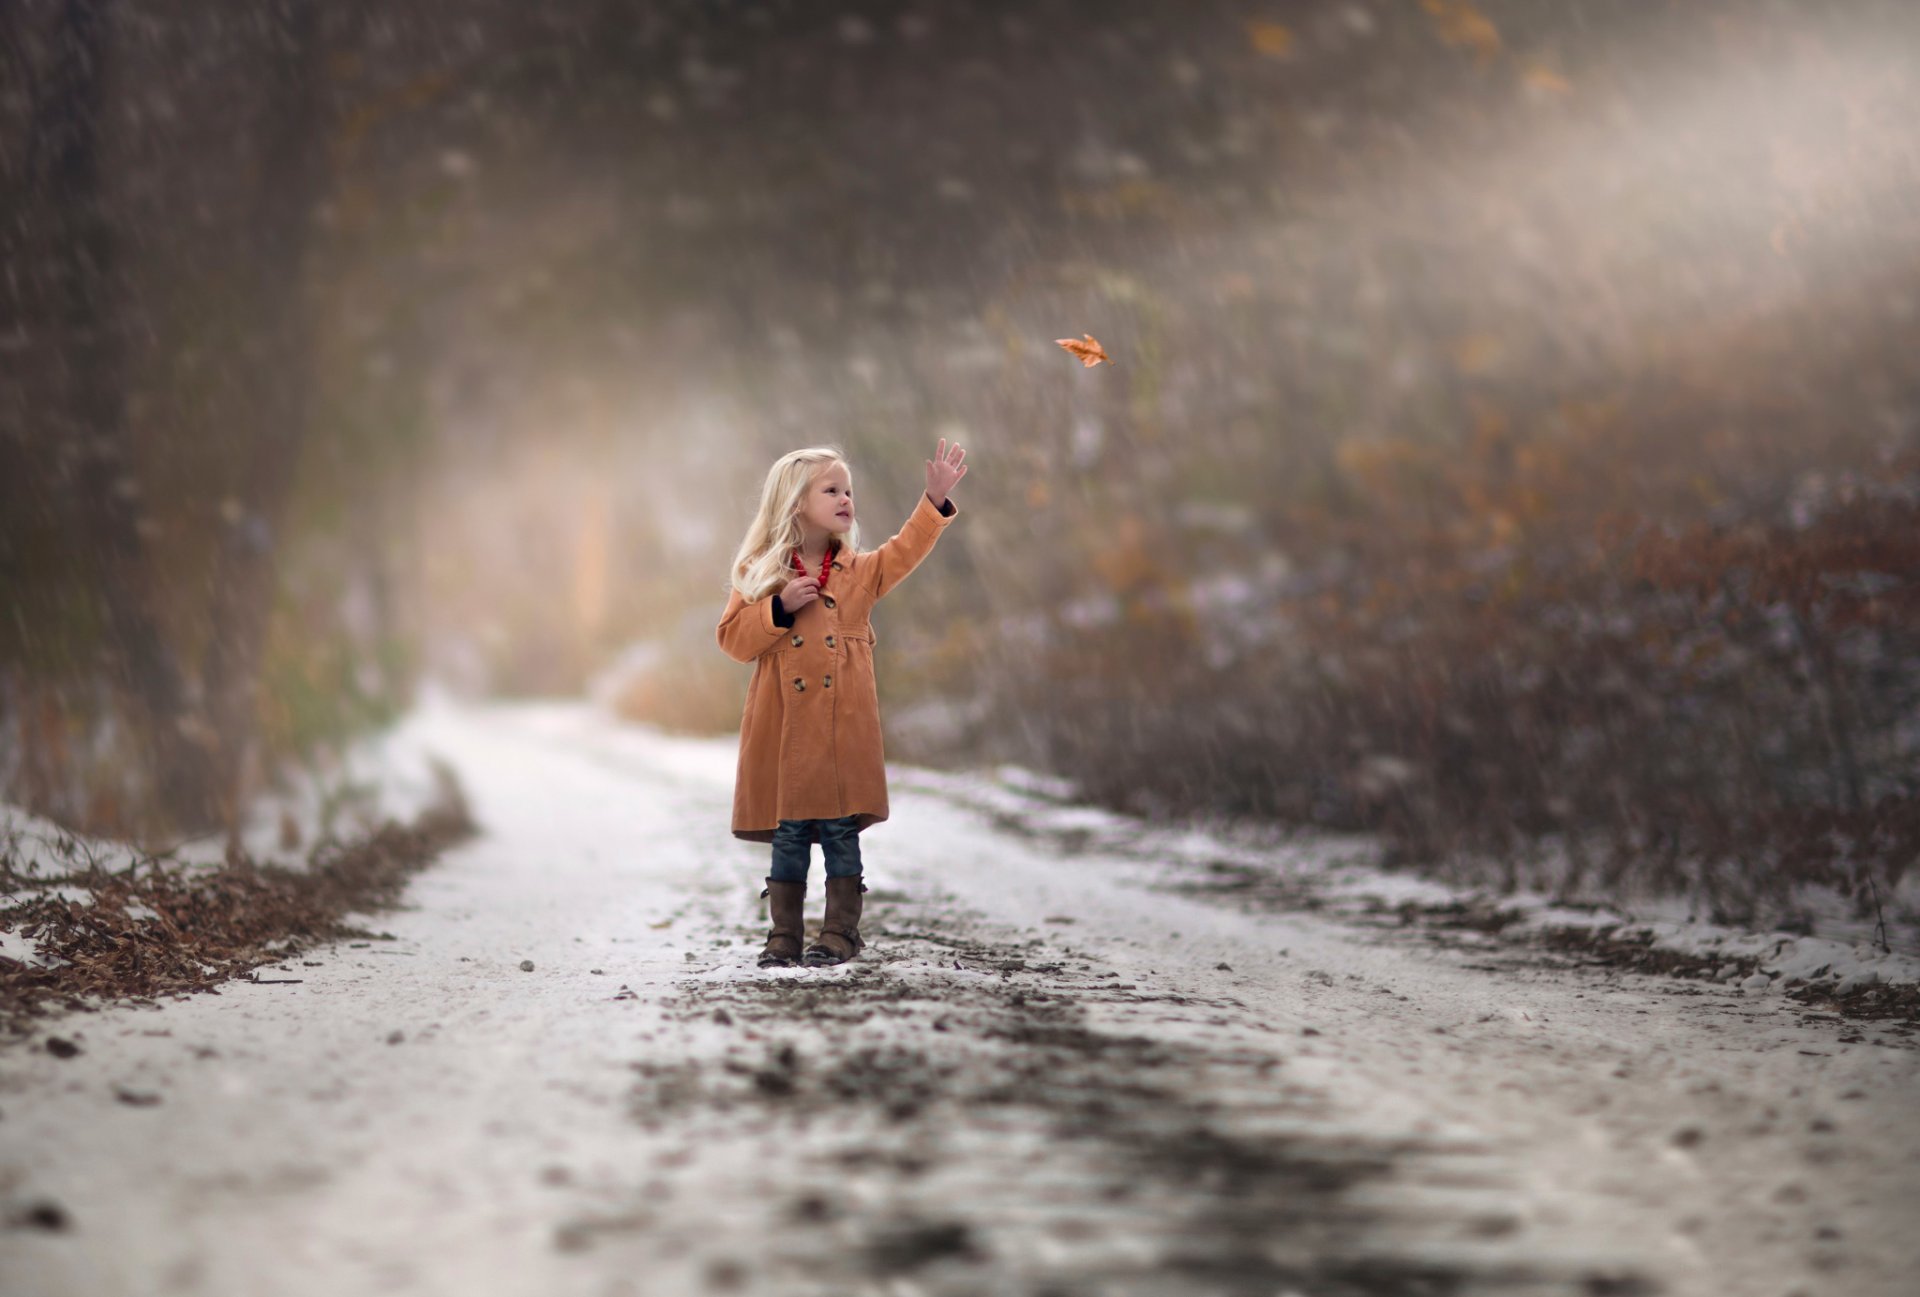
(972,1128)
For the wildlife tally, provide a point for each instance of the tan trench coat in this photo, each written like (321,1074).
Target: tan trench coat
(810,735)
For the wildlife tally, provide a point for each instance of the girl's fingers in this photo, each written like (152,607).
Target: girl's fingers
(948,459)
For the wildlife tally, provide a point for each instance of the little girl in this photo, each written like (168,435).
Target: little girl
(811,765)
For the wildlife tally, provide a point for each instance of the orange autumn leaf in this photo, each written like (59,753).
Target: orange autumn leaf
(1542,82)
(1273,39)
(1464,27)
(1090,352)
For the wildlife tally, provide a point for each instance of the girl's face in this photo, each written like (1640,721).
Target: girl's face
(828,504)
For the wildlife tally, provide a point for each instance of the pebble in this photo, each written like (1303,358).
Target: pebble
(1758,982)
(44,1215)
(526,965)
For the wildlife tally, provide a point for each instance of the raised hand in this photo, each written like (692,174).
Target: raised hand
(943,470)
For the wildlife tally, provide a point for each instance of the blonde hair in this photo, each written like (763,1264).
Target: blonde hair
(762,563)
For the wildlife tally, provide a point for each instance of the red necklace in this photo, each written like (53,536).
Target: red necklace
(826,565)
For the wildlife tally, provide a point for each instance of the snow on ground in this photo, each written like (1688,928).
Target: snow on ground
(1071,1061)
(1341,872)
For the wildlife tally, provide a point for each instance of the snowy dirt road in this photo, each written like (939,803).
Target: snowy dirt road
(1058,1069)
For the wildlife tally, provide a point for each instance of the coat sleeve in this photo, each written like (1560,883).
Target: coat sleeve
(889,565)
(748,631)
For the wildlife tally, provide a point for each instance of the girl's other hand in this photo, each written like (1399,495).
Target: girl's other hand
(944,469)
(799,592)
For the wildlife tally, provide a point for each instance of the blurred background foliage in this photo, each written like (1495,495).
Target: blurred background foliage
(1512,441)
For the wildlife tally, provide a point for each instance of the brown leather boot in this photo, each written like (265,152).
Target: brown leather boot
(839,938)
(785,901)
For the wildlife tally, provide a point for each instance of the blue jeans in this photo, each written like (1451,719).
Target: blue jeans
(793,848)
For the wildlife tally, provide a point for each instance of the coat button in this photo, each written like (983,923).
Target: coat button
(829,641)
(798,640)
(827,599)
(799,685)
(828,682)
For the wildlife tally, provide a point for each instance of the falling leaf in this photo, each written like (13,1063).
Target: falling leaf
(1464,27)
(1090,352)
(1274,40)
(1542,82)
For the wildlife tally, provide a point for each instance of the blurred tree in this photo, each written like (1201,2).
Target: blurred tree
(277,358)
(85,312)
